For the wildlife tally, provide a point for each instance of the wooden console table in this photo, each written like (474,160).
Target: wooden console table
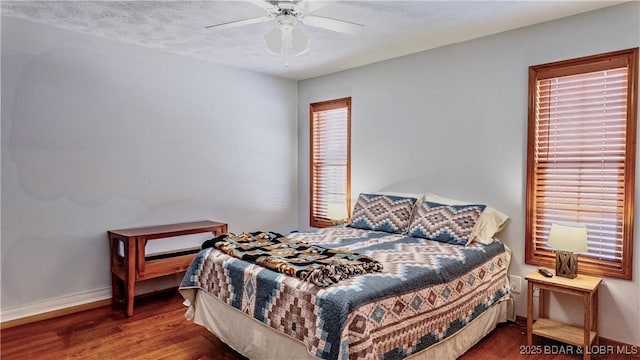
(133,266)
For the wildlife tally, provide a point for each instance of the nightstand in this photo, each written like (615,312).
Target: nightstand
(583,286)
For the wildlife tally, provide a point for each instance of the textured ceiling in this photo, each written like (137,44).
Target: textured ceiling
(392,28)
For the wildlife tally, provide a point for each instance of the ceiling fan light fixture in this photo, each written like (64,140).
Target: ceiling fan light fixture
(286,21)
(273,41)
(299,42)
(286,41)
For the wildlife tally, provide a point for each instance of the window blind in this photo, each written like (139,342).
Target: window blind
(583,163)
(330,158)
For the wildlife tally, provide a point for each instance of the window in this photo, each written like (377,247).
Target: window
(581,158)
(330,159)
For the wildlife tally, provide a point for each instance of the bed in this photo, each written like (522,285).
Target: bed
(438,292)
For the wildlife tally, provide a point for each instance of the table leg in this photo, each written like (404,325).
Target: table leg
(588,321)
(141,243)
(116,296)
(594,307)
(130,275)
(115,289)
(530,313)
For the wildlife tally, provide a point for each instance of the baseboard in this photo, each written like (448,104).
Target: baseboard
(55,307)
(633,350)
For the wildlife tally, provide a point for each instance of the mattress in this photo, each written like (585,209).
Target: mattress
(427,292)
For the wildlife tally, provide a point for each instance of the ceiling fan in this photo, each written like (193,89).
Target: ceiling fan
(285,38)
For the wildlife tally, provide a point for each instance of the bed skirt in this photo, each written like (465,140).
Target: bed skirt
(257,341)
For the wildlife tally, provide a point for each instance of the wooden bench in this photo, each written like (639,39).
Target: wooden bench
(130,265)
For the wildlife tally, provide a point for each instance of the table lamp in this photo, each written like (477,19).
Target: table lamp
(567,239)
(337,213)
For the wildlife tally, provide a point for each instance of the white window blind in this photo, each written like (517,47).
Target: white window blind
(330,158)
(580,171)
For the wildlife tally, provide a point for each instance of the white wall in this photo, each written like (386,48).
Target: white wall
(100,135)
(453,121)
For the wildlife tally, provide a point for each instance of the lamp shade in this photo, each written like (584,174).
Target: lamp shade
(568,237)
(336,211)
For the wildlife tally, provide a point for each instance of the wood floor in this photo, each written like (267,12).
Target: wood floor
(159,330)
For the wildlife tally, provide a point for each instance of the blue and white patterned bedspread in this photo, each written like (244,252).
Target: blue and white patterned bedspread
(427,291)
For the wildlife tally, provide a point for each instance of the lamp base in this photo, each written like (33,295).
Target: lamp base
(566,264)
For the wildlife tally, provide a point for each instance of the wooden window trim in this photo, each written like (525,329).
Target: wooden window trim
(587,265)
(315,221)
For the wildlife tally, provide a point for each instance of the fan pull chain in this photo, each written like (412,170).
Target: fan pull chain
(286,46)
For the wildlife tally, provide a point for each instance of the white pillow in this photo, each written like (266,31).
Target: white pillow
(490,222)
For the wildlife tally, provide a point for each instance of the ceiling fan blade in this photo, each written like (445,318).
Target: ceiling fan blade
(308,6)
(233,24)
(333,24)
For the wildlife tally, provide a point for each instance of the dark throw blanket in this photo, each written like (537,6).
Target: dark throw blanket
(318,265)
